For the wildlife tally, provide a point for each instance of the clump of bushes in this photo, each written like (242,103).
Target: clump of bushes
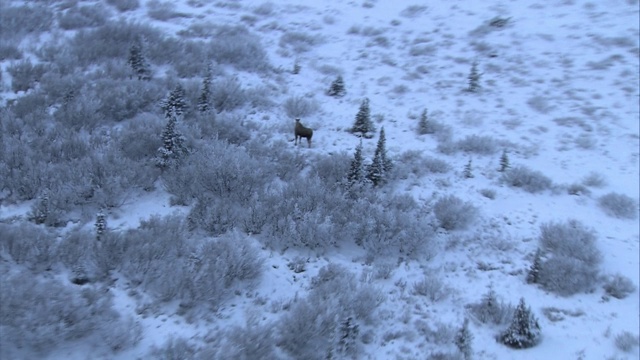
(619,205)
(532,181)
(453,213)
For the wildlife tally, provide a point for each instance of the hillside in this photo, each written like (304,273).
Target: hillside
(153,203)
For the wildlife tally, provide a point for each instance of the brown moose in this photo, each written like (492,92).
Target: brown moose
(302,132)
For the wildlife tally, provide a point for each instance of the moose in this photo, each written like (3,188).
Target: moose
(302,132)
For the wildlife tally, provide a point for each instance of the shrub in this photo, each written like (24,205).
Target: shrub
(619,286)
(432,287)
(235,45)
(626,341)
(124,5)
(594,179)
(174,349)
(524,331)
(9,51)
(299,107)
(573,258)
(227,94)
(529,180)
(454,214)
(15,21)
(252,341)
(83,16)
(162,11)
(24,74)
(482,145)
(29,245)
(491,309)
(299,42)
(619,205)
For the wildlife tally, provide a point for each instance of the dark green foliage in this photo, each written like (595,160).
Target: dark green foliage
(474,78)
(296,68)
(356,178)
(363,126)
(337,87)
(175,103)
(138,62)
(464,339)
(381,166)
(534,270)
(424,126)
(347,337)
(173,148)
(524,331)
(504,161)
(100,225)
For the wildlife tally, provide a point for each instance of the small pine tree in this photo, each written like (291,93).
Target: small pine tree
(474,78)
(175,103)
(423,124)
(381,164)
(337,88)
(468,174)
(504,161)
(204,101)
(40,211)
(524,331)
(463,340)
(100,225)
(296,68)
(356,171)
(173,148)
(363,125)
(534,270)
(347,337)
(138,62)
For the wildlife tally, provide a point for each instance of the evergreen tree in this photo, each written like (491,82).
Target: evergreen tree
(100,225)
(40,211)
(423,124)
(204,101)
(381,165)
(138,62)
(175,103)
(348,335)
(173,148)
(474,78)
(534,270)
(356,171)
(524,331)
(463,340)
(296,68)
(504,161)
(337,87)
(363,125)
(467,170)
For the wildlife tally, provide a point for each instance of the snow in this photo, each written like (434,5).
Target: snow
(546,52)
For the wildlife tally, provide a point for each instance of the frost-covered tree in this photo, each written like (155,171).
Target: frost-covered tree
(363,125)
(524,331)
(138,61)
(474,78)
(356,175)
(41,209)
(378,170)
(204,101)
(423,123)
(504,161)
(175,103)
(464,339)
(100,225)
(468,174)
(337,87)
(534,270)
(347,337)
(296,68)
(173,148)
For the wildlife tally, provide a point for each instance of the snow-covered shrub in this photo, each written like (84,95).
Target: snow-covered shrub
(476,144)
(139,139)
(124,5)
(594,179)
(619,205)
(463,340)
(619,286)
(29,245)
(251,341)
(573,259)
(300,106)
(532,181)
(488,193)
(161,10)
(432,287)
(125,98)
(79,17)
(174,349)
(235,45)
(578,189)
(299,42)
(453,213)
(524,331)
(53,314)
(331,169)
(227,94)
(491,309)
(231,129)
(215,215)
(17,21)
(626,341)
(25,74)
(9,51)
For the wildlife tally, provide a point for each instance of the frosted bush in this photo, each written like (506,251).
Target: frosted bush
(174,349)
(299,42)
(83,16)
(453,213)
(29,245)
(619,205)
(25,74)
(482,145)
(626,341)
(235,45)
(432,287)
(491,310)
(529,180)
(619,286)
(124,5)
(299,107)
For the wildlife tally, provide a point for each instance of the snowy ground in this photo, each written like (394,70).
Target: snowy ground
(554,60)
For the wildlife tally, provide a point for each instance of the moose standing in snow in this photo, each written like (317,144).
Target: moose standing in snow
(302,132)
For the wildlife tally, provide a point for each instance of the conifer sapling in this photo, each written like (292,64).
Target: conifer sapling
(381,164)
(423,124)
(524,331)
(100,225)
(534,270)
(337,87)
(464,339)
(204,101)
(474,78)
(504,161)
(467,170)
(363,126)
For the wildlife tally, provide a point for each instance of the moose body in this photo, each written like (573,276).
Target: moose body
(302,132)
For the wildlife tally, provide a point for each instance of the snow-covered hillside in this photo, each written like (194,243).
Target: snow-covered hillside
(557,98)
